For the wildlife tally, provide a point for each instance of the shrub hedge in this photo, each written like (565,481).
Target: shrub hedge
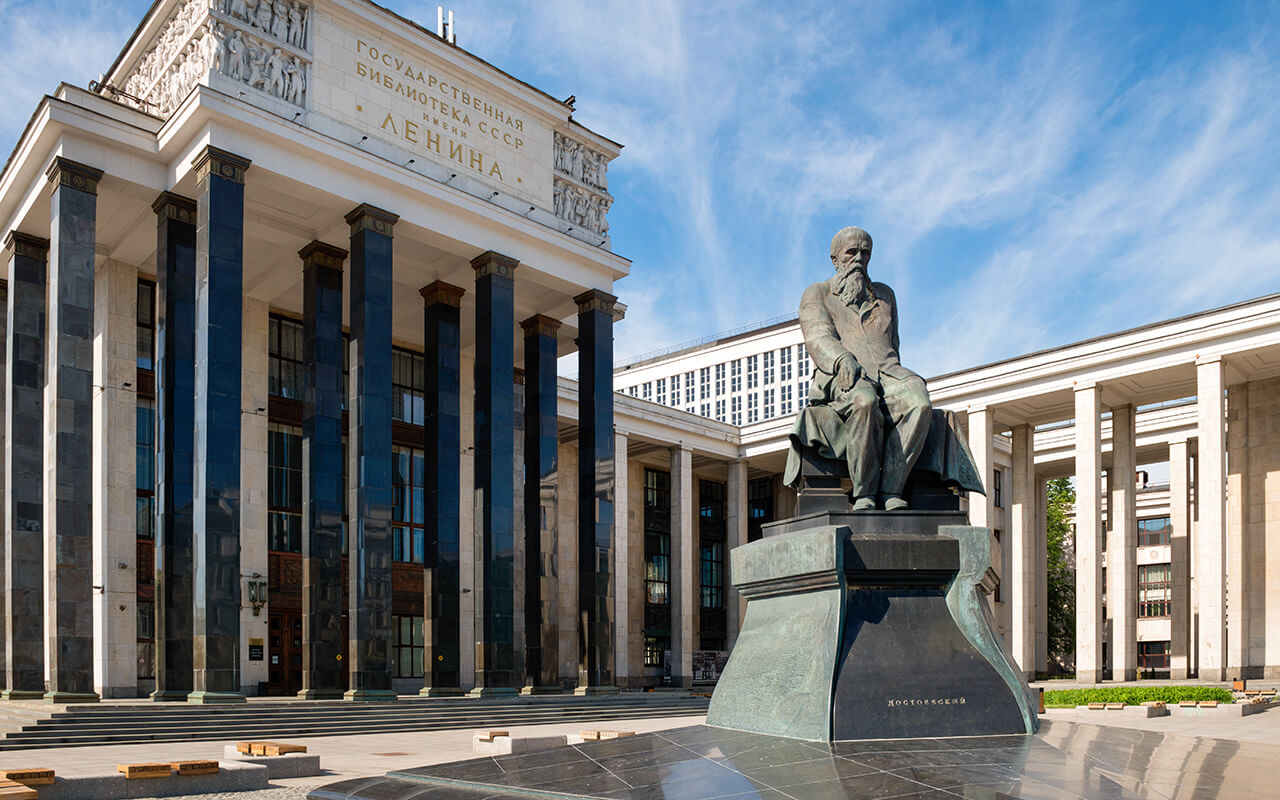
(1134,695)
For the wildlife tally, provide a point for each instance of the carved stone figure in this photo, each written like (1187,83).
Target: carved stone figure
(262,17)
(212,44)
(235,56)
(275,82)
(297,35)
(295,80)
(280,22)
(257,66)
(237,8)
(865,408)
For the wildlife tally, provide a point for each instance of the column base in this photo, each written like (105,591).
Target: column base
(493,691)
(369,696)
(441,691)
(320,694)
(1214,674)
(214,698)
(21,694)
(591,691)
(1122,675)
(531,690)
(71,697)
(169,696)
(1089,676)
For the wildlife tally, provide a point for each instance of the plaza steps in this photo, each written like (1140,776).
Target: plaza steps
(139,723)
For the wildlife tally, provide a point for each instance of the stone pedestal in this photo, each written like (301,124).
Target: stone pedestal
(869,626)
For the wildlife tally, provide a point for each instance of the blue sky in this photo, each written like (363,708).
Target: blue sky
(1032,173)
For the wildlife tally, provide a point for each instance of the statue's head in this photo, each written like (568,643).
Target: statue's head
(851,248)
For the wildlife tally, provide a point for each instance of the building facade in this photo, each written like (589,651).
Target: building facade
(285,293)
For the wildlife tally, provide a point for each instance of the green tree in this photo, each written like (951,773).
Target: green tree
(1061,583)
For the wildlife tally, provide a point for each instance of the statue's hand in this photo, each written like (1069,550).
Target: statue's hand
(847,374)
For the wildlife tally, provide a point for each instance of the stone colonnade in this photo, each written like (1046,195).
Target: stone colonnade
(1207,561)
(56,425)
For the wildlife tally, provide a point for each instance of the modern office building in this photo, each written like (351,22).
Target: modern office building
(285,292)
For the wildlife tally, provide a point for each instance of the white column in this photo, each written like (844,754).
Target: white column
(1042,575)
(254,498)
(684,598)
(1022,562)
(1180,593)
(1122,547)
(736,533)
(982,509)
(114,522)
(621,562)
(1210,530)
(1088,433)
(1240,591)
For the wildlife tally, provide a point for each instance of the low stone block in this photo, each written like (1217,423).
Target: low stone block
(291,765)
(32,776)
(231,777)
(136,771)
(195,767)
(489,736)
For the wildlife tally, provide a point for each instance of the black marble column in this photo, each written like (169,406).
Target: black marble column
(369,446)
(175,440)
(498,671)
(595,492)
(23,468)
(442,565)
(322,643)
(69,430)
(541,480)
(216,495)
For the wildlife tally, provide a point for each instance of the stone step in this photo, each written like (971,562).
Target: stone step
(124,733)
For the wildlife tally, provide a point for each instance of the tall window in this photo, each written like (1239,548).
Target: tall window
(406,647)
(646,391)
(408,386)
(802,361)
(1155,587)
(768,404)
(1154,530)
(662,391)
(284,376)
(719,379)
(753,371)
(146,324)
(784,364)
(284,487)
(1153,658)
(657,566)
(704,410)
(753,407)
(737,410)
(407,533)
(997,488)
(690,389)
(633,391)
(146,468)
(735,375)
(711,541)
(704,383)
(759,506)
(785,396)
(720,411)
(768,367)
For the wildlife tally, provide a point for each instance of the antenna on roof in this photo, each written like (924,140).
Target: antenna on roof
(445,30)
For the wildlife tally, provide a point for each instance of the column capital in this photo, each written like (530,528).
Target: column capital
(320,254)
(1082,386)
(220,162)
(1215,358)
(595,300)
(26,245)
(441,293)
(540,325)
(365,217)
(65,172)
(491,263)
(174,206)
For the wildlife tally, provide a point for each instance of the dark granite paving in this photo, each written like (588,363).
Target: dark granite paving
(1065,761)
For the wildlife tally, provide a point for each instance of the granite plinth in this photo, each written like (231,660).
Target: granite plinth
(705,762)
(869,626)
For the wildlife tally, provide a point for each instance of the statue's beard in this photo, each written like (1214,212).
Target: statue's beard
(853,286)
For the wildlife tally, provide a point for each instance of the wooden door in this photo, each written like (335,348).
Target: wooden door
(284,654)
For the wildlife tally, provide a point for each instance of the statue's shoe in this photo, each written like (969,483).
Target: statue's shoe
(864,504)
(894,504)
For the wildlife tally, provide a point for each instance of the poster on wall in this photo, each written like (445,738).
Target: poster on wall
(708,664)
